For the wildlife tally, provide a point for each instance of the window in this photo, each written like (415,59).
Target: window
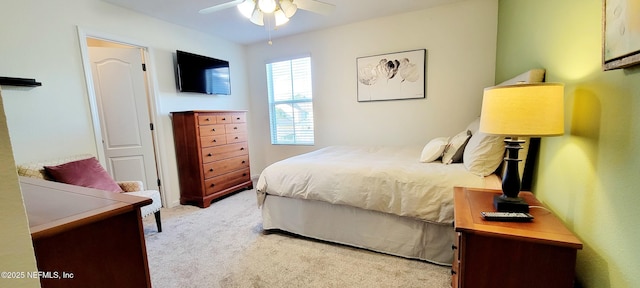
(290,101)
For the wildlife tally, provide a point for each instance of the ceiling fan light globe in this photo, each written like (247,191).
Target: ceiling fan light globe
(288,8)
(267,6)
(257,17)
(280,17)
(246,8)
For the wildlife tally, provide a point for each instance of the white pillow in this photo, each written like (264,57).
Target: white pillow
(434,149)
(483,153)
(454,151)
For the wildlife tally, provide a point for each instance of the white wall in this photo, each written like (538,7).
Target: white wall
(461,43)
(40,40)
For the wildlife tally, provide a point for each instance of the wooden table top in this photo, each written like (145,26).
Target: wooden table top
(545,228)
(57,207)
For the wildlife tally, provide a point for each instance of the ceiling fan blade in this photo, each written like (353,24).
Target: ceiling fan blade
(219,7)
(315,6)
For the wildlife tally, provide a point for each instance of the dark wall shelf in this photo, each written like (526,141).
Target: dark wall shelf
(19,82)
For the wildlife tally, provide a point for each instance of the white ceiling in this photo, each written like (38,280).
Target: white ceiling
(230,25)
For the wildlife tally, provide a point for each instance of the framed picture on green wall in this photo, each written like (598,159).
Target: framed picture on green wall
(621,33)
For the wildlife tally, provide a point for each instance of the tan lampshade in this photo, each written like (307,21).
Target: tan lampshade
(535,109)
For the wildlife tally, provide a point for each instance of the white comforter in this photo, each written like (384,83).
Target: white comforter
(385,179)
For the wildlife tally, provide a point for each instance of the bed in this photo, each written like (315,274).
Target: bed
(394,200)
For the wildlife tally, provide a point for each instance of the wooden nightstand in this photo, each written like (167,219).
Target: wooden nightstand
(541,253)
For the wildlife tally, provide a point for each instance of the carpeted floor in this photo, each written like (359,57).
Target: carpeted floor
(224,246)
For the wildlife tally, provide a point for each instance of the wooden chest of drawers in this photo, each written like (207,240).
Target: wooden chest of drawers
(212,154)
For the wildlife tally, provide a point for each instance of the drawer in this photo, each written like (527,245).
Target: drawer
(236,128)
(225,166)
(239,118)
(214,140)
(210,130)
(225,181)
(224,118)
(216,153)
(206,119)
(235,138)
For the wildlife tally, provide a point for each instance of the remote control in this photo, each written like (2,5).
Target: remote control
(507,216)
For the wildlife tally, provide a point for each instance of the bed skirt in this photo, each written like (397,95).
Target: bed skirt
(372,230)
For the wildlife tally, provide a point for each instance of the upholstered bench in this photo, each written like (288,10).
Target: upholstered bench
(135,188)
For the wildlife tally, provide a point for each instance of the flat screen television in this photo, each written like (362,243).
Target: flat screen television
(202,74)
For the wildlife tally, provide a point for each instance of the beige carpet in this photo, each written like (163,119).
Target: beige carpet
(224,246)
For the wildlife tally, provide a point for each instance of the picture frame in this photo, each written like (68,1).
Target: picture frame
(621,38)
(392,76)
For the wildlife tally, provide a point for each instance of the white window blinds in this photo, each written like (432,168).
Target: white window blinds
(290,101)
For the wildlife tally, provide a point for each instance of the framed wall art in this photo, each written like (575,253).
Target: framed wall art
(621,34)
(392,76)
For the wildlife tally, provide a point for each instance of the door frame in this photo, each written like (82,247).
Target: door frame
(152,102)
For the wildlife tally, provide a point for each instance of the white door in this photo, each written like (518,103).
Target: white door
(125,125)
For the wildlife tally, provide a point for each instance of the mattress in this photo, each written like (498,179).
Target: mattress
(384,179)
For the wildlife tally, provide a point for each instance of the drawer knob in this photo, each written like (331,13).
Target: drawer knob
(236,137)
(454,247)
(209,154)
(211,170)
(453,272)
(238,118)
(235,128)
(223,119)
(214,141)
(244,161)
(214,129)
(207,119)
(241,148)
(244,174)
(212,184)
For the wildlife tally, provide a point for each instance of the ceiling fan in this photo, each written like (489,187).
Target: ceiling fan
(281,10)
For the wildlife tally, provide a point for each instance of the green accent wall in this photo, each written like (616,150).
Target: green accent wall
(590,176)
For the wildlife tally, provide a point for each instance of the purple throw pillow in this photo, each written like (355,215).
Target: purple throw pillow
(86,173)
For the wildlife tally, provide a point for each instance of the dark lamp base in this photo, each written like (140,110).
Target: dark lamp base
(505,204)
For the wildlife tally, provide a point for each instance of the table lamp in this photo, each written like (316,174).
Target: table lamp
(520,110)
